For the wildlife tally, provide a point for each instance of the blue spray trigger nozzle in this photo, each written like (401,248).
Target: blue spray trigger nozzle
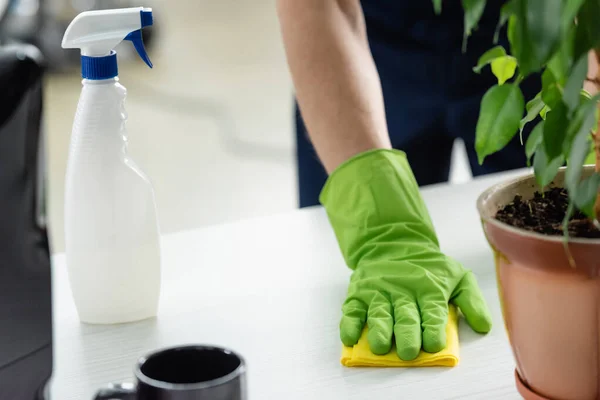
(135,37)
(146,17)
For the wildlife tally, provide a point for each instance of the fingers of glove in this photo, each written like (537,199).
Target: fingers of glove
(434,317)
(354,316)
(381,322)
(468,297)
(407,328)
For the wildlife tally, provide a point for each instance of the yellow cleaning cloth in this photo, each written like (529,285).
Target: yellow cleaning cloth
(360,355)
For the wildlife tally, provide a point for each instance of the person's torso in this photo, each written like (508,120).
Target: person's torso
(413,24)
(423,71)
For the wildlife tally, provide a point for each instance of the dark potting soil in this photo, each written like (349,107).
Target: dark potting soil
(545,213)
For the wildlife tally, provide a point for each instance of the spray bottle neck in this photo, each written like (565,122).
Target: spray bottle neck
(99,68)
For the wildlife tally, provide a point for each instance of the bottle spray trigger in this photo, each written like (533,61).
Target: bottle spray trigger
(135,37)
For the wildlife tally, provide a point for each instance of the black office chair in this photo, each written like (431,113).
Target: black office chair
(25,278)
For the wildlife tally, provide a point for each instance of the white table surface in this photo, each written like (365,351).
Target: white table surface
(272,288)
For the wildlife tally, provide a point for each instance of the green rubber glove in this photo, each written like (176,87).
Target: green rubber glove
(402,282)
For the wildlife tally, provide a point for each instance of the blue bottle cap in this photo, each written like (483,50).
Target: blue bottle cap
(98,68)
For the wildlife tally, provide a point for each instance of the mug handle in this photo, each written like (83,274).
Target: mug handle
(117,391)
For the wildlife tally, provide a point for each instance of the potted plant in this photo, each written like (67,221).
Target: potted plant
(543,227)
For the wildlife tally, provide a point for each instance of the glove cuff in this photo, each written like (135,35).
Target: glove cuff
(359,161)
(374,195)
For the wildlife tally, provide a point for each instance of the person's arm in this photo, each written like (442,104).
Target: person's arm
(337,84)
(402,282)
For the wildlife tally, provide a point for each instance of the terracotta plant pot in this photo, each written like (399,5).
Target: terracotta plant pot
(551,310)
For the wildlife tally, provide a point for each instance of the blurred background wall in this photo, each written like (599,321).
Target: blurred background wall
(211,123)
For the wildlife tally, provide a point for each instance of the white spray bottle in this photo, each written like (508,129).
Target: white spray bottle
(111,228)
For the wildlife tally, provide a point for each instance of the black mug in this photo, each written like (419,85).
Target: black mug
(184,373)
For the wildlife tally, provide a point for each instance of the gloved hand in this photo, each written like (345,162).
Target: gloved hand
(402,282)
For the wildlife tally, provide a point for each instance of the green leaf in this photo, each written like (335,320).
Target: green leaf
(535,103)
(585,194)
(515,36)
(489,56)
(560,64)
(473,11)
(542,29)
(584,120)
(544,112)
(572,92)
(587,34)
(534,108)
(545,169)
(570,12)
(504,68)
(551,90)
(555,130)
(499,116)
(437,6)
(579,150)
(591,157)
(505,12)
(538,31)
(534,140)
